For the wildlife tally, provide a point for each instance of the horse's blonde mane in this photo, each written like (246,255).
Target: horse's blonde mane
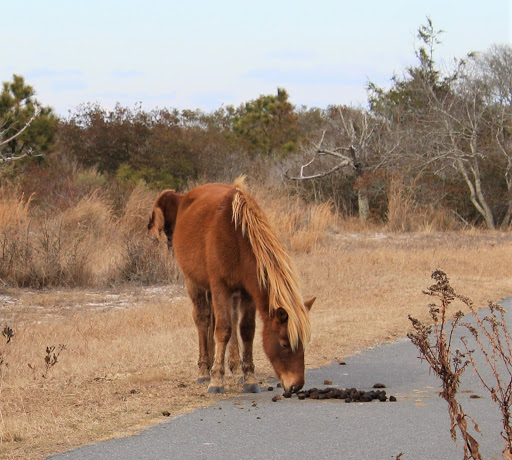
(276,271)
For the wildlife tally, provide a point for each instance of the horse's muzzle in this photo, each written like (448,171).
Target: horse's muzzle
(293,388)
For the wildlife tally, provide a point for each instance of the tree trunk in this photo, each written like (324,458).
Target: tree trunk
(477,195)
(363,205)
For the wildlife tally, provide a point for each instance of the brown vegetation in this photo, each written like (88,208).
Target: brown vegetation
(130,348)
(492,341)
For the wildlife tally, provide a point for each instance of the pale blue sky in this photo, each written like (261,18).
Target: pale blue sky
(202,54)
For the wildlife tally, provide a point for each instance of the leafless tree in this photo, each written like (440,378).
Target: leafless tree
(470,124)
(495,71)
(351,140)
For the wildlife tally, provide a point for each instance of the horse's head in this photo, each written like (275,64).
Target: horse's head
(288,363)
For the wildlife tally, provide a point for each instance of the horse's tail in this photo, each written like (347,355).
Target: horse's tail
(164,215)
(275,269)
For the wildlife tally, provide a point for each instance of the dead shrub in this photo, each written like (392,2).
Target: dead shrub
(147,262)
(84,245)
(136,211)
(62,249)
(437,345)
(446,363)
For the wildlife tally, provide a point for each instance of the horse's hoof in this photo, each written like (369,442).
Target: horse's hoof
(203,379)
(216,390)
(251,388)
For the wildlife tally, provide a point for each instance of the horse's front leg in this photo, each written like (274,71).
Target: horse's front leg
(222,306)
(247,329)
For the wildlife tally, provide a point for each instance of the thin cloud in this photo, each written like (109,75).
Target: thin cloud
(127,74)
(61,85)
(307,77)
(292,55)
(53,73)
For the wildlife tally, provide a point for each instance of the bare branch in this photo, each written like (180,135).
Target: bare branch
(27,124)
(346,161)
(322,174)
(19,157)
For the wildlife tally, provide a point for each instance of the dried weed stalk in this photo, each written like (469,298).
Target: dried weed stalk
(436,347)
(495,343)
(8,333)
(52,357)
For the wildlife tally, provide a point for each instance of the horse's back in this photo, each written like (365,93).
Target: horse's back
(205,231)
(201,202)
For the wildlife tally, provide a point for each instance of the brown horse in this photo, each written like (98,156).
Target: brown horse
(233,264)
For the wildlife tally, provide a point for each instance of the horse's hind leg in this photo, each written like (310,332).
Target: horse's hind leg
(204,320)
(247,328)
(234,349)
(222,306)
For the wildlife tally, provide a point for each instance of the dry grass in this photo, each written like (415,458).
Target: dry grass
(131,351)
(406,215)
(13,208)
(83,245)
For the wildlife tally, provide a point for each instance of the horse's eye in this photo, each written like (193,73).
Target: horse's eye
(285,345)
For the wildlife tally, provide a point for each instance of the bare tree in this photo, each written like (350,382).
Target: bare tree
(461,117)
(495,70)
(472,123)
(455,123)
(351,141)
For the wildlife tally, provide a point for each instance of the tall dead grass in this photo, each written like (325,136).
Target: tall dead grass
(13,208)
(303,227)
(86,244)
(405,214)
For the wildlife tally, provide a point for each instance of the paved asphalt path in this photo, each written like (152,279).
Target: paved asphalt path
(254,427)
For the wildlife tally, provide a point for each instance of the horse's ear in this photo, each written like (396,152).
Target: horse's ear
(281,314)
(309,303)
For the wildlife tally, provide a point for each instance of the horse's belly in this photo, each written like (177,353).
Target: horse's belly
(205,241)
(192,264)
